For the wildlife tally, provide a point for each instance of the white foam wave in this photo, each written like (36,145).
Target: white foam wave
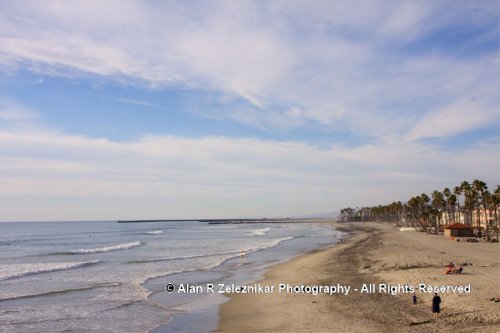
(273,243)
(243,250)
(124,246)
(183,257)
(12,271)
(154,232)
(259,232)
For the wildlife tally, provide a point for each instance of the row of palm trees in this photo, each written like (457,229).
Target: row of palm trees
(452,205)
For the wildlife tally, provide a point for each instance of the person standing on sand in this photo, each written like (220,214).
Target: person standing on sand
(436,302)
(414,297)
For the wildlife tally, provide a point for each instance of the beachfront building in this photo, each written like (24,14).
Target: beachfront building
(458,230)
(475,218)
(366,214)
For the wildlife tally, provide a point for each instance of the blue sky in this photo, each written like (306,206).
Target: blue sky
(186,109)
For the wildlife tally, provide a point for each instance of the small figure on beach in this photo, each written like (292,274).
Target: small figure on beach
(414,297)
(450,269)
(436,302)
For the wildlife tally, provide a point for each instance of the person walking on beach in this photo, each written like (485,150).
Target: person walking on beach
(436,301)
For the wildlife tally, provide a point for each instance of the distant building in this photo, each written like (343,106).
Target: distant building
(472,219)
(458,230)
(366,213)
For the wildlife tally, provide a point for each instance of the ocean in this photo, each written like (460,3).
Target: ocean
(110,277)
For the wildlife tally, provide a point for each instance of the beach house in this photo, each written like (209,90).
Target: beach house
(458,230)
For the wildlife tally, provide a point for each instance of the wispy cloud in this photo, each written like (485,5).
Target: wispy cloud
(13,112)
(456,118)
(135,102)
(340,66)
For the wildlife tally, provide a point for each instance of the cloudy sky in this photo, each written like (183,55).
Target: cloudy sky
(187,109)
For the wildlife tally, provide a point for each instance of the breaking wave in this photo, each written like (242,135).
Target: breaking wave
(62,291)
(124,246)
(13,271)
(259,232)
(154,232)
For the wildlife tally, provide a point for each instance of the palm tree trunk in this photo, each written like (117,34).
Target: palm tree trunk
(496,218)
(487,222)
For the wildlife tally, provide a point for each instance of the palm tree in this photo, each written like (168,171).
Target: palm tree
(447,194)
(438,204)
(457,191)
(486,197)
(495,198)
(419,210)
(400,210)
(425,198)
(480,187)
(424,207)
(466,190)
(452,202)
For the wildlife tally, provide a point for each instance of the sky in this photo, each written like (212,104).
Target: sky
(220,109)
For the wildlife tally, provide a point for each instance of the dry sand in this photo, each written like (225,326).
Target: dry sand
(375,253)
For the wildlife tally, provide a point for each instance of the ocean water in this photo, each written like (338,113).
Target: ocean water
(110,277)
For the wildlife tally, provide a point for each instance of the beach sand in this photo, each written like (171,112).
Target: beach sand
(376,253)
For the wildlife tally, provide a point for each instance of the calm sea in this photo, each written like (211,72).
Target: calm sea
(109,277)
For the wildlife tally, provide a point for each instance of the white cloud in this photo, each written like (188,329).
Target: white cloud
(254,175)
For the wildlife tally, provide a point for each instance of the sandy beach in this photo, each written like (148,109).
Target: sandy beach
(376,254)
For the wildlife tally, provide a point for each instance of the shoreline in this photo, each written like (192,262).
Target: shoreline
(374,253)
